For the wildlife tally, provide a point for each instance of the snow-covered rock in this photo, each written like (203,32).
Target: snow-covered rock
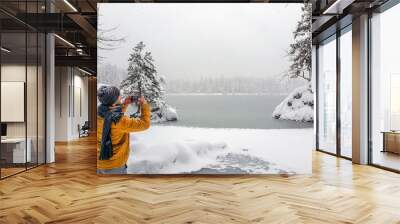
(297,106)
(159,114)
(169,113)
(164,113)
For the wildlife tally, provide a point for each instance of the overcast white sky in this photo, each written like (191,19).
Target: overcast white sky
(193,40)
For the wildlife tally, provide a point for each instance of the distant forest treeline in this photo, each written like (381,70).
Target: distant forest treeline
(230,85)
(112,75)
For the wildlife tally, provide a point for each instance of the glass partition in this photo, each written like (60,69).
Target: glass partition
(13,86)
(327,95)
(41,97)
(31,98)
(385,89)
(346,93)
(22,67)
(32,90)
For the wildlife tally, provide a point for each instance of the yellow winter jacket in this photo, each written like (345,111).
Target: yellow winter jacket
(120,137)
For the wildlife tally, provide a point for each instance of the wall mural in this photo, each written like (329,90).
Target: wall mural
(204,89)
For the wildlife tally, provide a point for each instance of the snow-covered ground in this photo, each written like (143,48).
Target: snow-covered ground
(175,150)
(226,94)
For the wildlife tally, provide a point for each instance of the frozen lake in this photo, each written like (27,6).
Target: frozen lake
(229,111)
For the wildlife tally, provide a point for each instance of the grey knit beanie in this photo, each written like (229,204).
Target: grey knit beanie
(108,95)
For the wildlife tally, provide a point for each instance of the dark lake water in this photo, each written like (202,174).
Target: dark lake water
(229,111)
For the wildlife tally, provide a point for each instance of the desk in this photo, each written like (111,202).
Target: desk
(13,150)
(391,141)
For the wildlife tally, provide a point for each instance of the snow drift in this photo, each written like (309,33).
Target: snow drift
(297,106)
(159,158)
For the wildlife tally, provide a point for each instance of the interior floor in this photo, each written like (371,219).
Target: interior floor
(10,171)
(70,191)
(387,159)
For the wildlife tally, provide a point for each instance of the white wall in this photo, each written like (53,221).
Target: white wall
(10,73)
(17,73)
(61,103)
(34,125)
(79,117)
(69,82)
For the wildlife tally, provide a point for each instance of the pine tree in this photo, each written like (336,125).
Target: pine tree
(300,51)
(143,79)
(298,105)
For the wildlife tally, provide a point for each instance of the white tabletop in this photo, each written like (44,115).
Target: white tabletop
(13,140)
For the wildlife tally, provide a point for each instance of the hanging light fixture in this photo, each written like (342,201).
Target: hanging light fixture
(64,40)
(5,50)
(70,5)
(84,71)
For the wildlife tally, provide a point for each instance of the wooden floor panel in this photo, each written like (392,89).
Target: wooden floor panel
(70,191)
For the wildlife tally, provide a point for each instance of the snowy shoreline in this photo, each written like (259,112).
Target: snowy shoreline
(226,94)
(174,150)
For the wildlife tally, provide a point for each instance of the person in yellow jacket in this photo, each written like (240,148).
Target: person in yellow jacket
(113,128)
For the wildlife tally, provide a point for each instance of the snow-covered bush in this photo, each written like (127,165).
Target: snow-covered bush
(297,106)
